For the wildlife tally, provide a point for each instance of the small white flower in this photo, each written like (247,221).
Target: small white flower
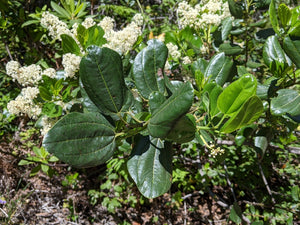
(50,72)
(71,63)
(24,105)
(173,50)
(186,60)
(88,22)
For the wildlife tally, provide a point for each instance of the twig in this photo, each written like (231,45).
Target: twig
(228,181)
(8,52)
(5,214)
(266,182)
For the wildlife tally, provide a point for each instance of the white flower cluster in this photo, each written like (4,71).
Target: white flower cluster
(186,60)
(173,50)
(123,40)
(208,12)
(71,63)
(54,25)
(88,22)
(24,104)
(27,75)
(50,72)
(215,151)
(46,123)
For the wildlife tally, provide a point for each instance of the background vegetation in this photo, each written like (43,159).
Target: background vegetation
(255,180)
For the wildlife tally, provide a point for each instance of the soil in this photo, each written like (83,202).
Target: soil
(44,200)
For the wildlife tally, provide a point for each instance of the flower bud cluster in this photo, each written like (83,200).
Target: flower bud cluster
(173,50)
(24,104)
(208,12)
(71,64)
(215,151)
(54,25)
(27,75)
(122,40)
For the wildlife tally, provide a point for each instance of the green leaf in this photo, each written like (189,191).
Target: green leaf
(45,93)
(156,99)
(95,36)
(273,17)
(248,113)
(235,9)
(52,110)
(184,130)
(261,142)
(61,11)
(82,35)
(292,49)
(284,14)
(272,51)
(218,69)
(295,30)
(101,73)
(213,90)
(226,28)
(200,64)
(236,213)
(69,45)
(146,66)
(287,101)
(230,49)
(236,94)
(164,117)
(81,140)
(150,166)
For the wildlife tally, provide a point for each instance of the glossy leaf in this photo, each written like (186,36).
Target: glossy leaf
(101,73)
(248,113)
(150,166)
(272,51)
(273,17)
(236,10)
(226,28)
(147,64)
(284,14)
(236,94)
(230,49)
(164,117)
(156,99)
(69,45)
(213,90)
(287,101)
(184,130)
(292,49)
(81,140)
(218,69)
(95,36)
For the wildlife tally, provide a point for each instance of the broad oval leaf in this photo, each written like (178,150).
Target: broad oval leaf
(236,9)
(272,51)
(284,14)
(292,49)
(226,27)
(69,45)
(156,99)
(101,73)
(147,64)
(236,94)
(231,49)
(287,101)
(273,17)
(164,117)
(219,68)
(81,140)
(184,130)
(248,113)
(150,166)
(213,90)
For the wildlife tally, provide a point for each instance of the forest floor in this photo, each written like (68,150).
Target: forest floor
(44,200)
